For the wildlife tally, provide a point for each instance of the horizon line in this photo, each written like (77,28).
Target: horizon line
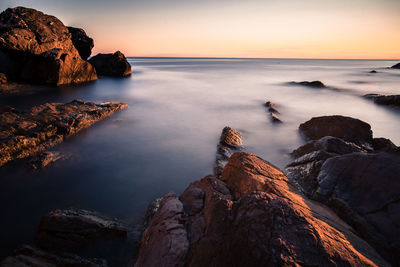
(281,58)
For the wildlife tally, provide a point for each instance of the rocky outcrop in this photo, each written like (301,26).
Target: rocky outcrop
(24,134)
(314,84)
(388,100)
(273,112)
(37,48)
(230,142)
(83,43)
(45,158)
(346,128)
(253,216)
(115,65)
(3,78)
(397,66)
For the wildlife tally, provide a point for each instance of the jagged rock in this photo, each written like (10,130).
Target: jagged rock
(230,141)
(384,144)
(111,64)
(397,66)
(71,230)
(24,134)
(45,158)
(29,256)
(83,43)
(314,84)
(3,78)
(393,100)
(256,218)
(346,128)
(37,48)
(273,112)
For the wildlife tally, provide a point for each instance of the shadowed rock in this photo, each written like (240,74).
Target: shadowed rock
(397,66)
(83,43)
(37,48)
(253,217)
(389,100)
(24,134)
(273,112)
(111,64)
(45,158)
(373,71)
(346,128)
(314,84)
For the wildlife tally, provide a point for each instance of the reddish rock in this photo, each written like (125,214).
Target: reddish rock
(111,64)
(37,48)
(346,128)
(83,43)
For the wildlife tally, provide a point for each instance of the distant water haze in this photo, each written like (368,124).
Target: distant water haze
(167,137)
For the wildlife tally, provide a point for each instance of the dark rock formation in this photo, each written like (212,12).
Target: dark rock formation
(45,158)
(71,230)
(83,43)
(253,217)
(230,142)
(111,64)
(3,78)
(392,100)
(273,112)
(346,128)
(397,66)
(314,84)
(24,134)
(373,71)
(37,48)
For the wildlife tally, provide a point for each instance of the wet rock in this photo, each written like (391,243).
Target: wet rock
(384,144)
(29,256)
(253,217)
(111,64)
(397,66)
(3,78)
(346,128)
(45,158)
(393,100)
(83,43)
(27,133)
(230,141)
(314,84)
(37,48)
(373,71)
(71,230)
(273,112)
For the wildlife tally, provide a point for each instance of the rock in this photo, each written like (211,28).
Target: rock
(3,78)
(373,71)
(384,144)
(71,230)
(111,64)
(24,134)
(255,218)
(230,141)
(29,256)
(45,158)
(37,48)
(275,118)
(164,242)
(397,66)
(393,100)
(346,128)
(273,112)
(364,189)
(83,43)
(314,84)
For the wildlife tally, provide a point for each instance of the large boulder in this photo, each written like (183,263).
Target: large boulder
(115,65)
(37,48)
(83,43)
(346,128)
(254,216)
(392,100)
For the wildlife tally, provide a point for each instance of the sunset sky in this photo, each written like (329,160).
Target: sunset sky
(234,28)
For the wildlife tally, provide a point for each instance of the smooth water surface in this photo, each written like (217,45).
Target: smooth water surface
(167,137)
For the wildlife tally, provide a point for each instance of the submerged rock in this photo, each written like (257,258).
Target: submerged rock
(273,112)
(397,66)
(45,158)
(373,71)
(392,100)
(111,64)
(314,84)
(346,128)
(83,43)
(24,134)
(253,217)
(37,48)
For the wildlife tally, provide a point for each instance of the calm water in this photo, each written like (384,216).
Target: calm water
(167,137)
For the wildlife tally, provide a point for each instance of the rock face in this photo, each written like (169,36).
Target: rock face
(83,43)
(111,64)
(253,216)
(392,100)
(24,134)
(45,158)
(37,48)
(230,141)
(346,128)
(314,84)
(273,112)
(397,66)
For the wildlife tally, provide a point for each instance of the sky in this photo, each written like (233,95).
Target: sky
(357,29)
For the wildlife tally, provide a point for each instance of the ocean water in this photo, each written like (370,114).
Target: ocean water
(167,137)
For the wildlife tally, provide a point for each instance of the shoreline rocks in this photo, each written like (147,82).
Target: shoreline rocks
(115,65)
(387,100)
(27,133)
(314,84)
(273,112)
(396,66)
(83,43)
